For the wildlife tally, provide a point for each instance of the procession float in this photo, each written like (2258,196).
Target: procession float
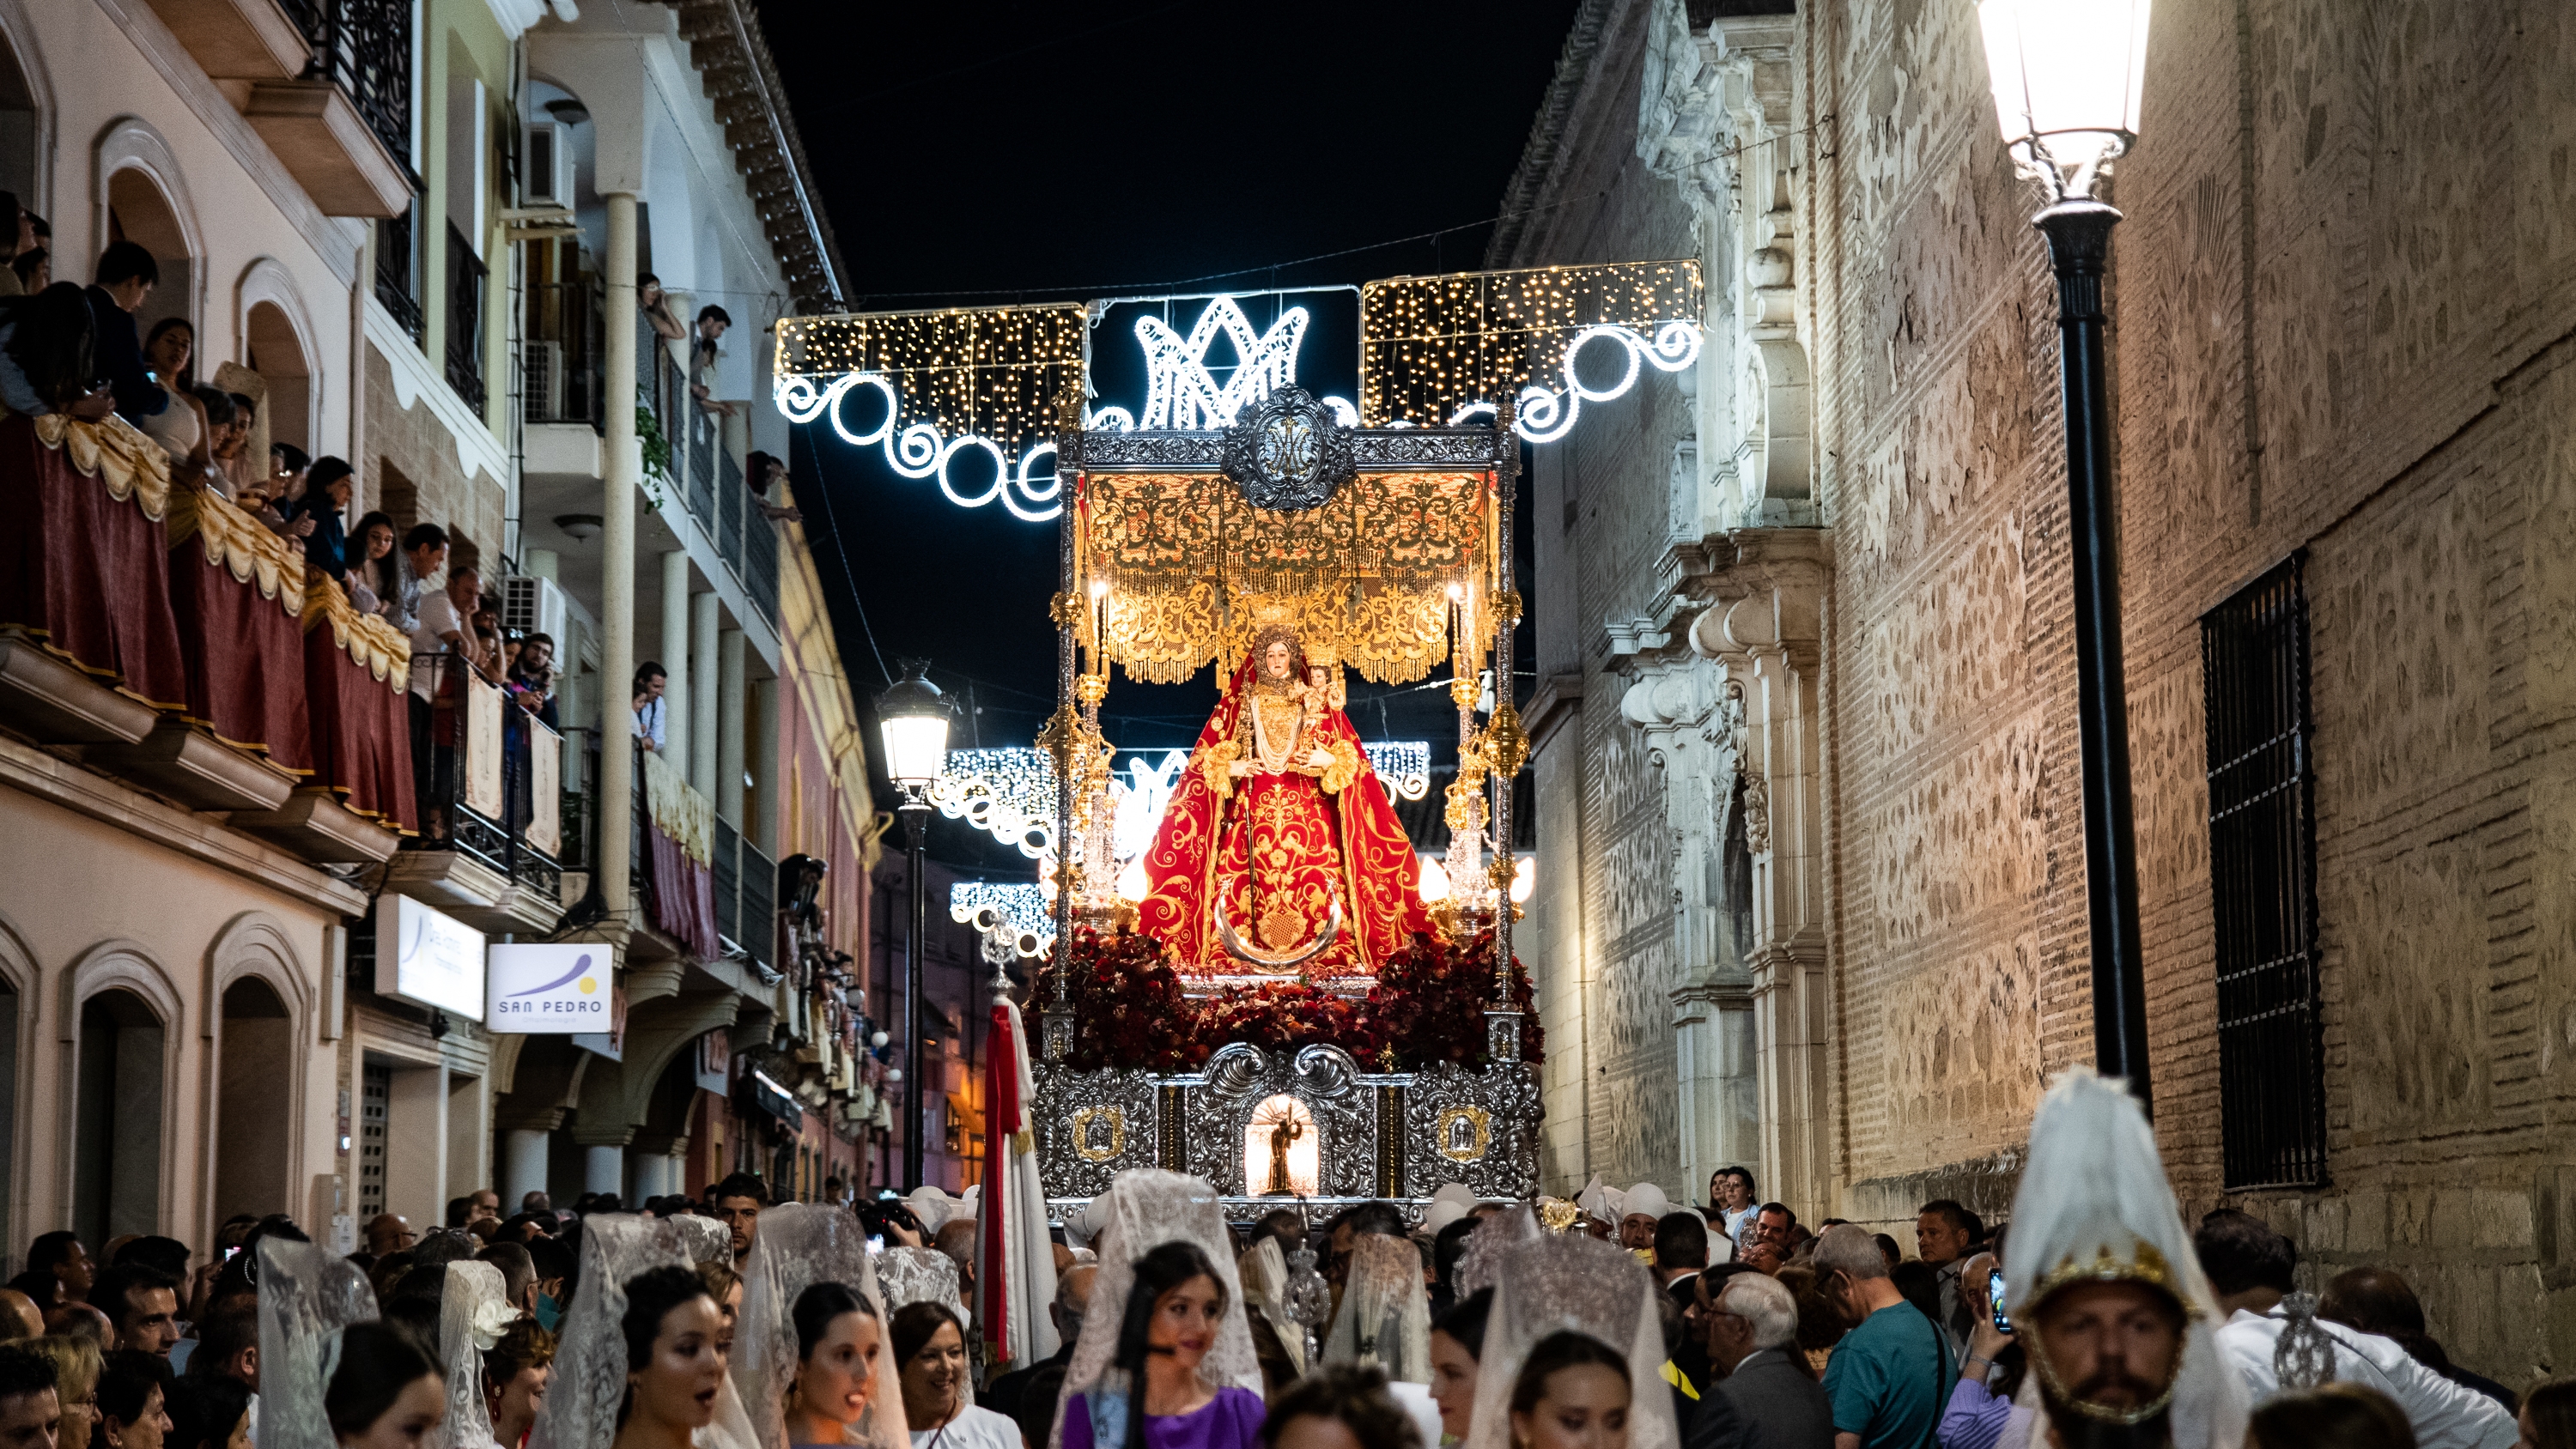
(1265,984)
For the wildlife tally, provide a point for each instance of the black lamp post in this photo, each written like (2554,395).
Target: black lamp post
(913,719)
(2066,77)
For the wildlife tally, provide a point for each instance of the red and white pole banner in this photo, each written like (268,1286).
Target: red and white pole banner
(1014,1260)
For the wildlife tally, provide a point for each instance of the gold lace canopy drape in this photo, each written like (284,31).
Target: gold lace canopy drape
(1193,571)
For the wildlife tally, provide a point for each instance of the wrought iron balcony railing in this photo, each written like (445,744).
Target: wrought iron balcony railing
(364,47)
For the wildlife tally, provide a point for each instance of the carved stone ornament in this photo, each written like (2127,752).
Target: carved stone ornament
(1290,453)
(1757,814)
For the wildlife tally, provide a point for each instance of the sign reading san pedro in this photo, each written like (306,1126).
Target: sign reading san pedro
(548,989)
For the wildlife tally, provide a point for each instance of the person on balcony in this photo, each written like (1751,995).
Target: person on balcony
(127,273)
(46,356)
(442,648)
(424,557)
(651,709)
(374,574)
(179,428)
(712,322)
(767,476)
(327,490)
(655,304)
(532,677)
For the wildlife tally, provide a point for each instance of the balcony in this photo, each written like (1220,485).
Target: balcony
(215,673)
(566,339)
(465,278)
(343,125)
(490,784)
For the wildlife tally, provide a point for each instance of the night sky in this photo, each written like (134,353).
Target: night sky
(980,153)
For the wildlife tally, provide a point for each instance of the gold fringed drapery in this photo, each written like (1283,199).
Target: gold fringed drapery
(1193,572)
(239,544)
(374,645)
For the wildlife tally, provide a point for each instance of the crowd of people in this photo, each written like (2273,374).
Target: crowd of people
(76,351)
(1614,1321)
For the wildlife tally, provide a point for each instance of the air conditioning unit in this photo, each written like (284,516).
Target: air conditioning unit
(537,606)
(543,391)
(546,176)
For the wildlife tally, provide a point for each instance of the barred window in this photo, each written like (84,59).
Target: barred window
(2262,876)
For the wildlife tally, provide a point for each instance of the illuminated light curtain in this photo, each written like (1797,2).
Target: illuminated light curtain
(1434,347)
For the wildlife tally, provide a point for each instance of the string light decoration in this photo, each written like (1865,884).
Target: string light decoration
(1403,766)
(975,383)
(1018,907)
(1008,793)
(1441,351)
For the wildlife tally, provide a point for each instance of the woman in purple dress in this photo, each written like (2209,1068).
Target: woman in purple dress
(1155,1397)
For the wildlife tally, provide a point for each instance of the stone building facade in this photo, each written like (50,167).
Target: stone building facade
(1807,671)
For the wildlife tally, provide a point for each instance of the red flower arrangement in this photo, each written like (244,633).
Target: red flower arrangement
(1428,1006)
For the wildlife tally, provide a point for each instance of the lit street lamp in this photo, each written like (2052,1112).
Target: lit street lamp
(913,718)
(2067,76)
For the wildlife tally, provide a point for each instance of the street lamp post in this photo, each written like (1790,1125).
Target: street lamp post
(913,718)
(2067,76)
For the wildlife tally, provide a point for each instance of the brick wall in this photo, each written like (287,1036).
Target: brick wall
(2343,305)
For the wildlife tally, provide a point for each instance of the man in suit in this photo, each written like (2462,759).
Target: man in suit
(1750,1323)
(126,275)
(1029,1395)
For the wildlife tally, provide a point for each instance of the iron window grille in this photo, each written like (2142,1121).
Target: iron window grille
(397,275)
(465,276)
(2262,873)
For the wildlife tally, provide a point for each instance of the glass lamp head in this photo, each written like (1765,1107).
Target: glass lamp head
(1435,881)
(913,717)
(2068,76)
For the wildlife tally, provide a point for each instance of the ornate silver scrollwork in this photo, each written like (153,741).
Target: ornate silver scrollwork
(1479,1128)
(1092,1126)
(1240,1076)
(1290,453)
(1155,452)
(1395,448)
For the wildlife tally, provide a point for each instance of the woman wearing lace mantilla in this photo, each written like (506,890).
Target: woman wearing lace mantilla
(1571,1353)
(1178,1370)
(642,1364)
(1385,1317)
(814,1362)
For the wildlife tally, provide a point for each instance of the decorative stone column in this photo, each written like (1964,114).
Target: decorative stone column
(1690,721)
(1763,633)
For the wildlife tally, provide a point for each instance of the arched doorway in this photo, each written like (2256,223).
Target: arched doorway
(137,211)
(276,353)
(116,1147)
(251,1099)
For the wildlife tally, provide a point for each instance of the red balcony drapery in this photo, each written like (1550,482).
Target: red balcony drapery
(84,568)
(238,591)
(357,673)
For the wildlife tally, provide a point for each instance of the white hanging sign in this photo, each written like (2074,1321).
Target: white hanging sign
(548,990)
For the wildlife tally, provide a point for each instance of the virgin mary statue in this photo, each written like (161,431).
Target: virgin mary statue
(1279,852)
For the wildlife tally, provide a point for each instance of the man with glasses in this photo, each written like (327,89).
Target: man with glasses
(1749,1325)
(388,1233)
(1891,1375)
(737,1202)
